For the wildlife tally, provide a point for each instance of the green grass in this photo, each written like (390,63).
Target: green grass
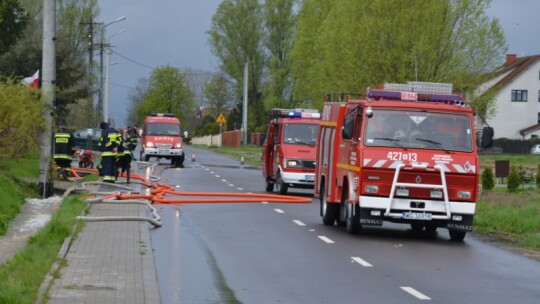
(512,218)
(525,160)
(21,276)
(13,189)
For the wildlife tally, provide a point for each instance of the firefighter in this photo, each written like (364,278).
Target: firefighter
(123,160)
(64,147)
(132,136)
(109,143)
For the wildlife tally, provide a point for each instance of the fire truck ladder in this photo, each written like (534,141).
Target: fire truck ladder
(442,186)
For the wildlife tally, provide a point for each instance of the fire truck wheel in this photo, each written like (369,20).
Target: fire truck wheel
(329,212)
(281,187)
(417,226)
(353,221)
(269,186)
(456,235)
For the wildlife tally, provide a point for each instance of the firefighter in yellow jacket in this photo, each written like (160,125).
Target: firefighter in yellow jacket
(64,147)
(109,143)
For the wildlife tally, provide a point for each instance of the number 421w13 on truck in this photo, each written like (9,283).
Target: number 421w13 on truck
(406,153)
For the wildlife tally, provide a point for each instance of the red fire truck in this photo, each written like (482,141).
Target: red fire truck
(161,138)
(404,153)
(288,153)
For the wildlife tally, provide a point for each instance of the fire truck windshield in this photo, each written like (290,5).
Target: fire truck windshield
(419,129)
(163,129)
(300,134)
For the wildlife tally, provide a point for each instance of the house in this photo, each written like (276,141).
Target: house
(516,89)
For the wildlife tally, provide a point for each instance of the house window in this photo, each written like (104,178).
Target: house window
(538,96)
(519,95)
(539,118)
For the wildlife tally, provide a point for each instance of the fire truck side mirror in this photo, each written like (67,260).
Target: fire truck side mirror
(487,137)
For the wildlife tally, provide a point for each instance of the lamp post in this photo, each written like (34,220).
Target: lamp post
(107,76)
(101,82)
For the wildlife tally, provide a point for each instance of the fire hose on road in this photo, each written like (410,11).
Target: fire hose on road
(160,190)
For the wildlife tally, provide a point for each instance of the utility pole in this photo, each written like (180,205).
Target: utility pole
(245,106)
(48,81)
(100,90)
(91,62)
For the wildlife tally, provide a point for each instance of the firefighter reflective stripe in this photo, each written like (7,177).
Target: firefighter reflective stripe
(109,178)
(62,156)
(108,153)
(113,138)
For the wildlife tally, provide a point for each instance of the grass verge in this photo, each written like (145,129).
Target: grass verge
(13,189)
(21,277)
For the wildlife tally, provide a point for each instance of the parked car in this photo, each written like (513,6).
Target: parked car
(81,138)
(535,149)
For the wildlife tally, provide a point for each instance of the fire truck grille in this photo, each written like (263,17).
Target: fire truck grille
(163,146)
(307,164)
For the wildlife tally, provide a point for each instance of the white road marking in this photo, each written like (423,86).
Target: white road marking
(415,293)
(279,210)
(361,262)
(311,230)
(299,223)
(231,185)
(325,239)
(218,176)
(211,172)
(224,180)
(264,202)
(240,189)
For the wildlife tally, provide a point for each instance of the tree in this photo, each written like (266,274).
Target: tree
(395,41)
(218,94)
(280,25)
(24,58)
(487,179)
(13,20)
(167,93)
(136,96)
(235,37)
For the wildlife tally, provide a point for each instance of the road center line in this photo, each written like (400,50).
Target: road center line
(299,223)
(361,262)
(325,239)
(240,189)
(224,180)
(218,176)
(279,210)
(415,293)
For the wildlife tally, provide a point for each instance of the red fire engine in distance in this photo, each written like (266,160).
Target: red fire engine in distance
(405,153)
(288,152)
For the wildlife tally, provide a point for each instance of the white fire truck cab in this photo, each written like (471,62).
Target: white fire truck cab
(406,153)
(288,152)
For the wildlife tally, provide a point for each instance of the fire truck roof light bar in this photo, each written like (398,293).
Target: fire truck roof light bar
(420,87)
(393,95)
(162,115)
(296,113)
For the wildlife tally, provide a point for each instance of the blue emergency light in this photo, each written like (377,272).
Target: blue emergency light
(296,113)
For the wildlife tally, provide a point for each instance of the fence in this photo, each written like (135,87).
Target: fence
(228,139)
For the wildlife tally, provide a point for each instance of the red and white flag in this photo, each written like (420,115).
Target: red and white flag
(32,81)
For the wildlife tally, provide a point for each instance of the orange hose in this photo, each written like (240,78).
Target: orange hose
(157,195)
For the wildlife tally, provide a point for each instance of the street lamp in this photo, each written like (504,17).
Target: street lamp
(100,102)
(107,76)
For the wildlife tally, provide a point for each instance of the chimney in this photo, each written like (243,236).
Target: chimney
(510,59)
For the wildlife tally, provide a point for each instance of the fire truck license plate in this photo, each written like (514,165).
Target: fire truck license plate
(416,216)
(310,178)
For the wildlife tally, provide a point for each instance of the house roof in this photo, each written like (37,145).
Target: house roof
(516,68)
(530,129)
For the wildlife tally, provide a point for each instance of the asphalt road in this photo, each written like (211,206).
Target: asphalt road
(282,253)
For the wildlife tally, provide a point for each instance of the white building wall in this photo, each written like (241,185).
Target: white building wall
(512,116)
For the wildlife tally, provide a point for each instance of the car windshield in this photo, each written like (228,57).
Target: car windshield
(163,129)
(300,134)
(419,129)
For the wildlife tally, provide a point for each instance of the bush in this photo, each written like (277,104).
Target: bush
(538,176)
(514,179)
(487,178)
(20,119)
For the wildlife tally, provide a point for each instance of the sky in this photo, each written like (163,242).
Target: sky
(173,32)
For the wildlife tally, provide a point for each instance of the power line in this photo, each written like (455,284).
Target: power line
(133,61)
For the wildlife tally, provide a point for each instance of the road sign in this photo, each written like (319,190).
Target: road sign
(221,119)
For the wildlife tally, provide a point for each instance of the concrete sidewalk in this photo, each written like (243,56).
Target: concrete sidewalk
(108,261)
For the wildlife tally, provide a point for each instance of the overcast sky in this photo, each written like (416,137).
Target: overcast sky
(173,32)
